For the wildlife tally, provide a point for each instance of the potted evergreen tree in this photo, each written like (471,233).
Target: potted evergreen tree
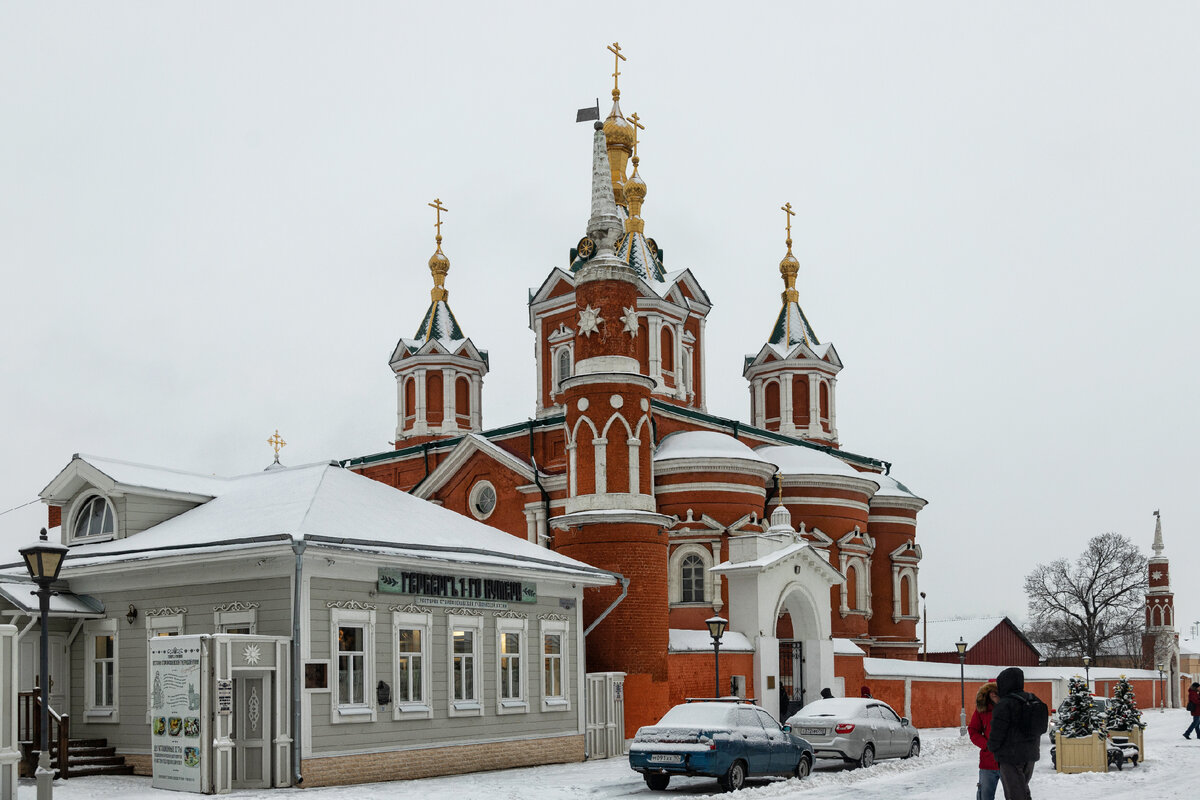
(1081,742)
(1124,718)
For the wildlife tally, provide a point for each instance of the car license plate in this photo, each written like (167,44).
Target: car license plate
(665,758)
(812,731)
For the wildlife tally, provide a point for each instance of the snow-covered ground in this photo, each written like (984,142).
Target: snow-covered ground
(947,768)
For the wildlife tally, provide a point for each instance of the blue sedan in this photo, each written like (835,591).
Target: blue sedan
(725,740)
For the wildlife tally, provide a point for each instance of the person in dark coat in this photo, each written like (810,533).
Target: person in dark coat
(1015,752)
(980,726)
(1194,703)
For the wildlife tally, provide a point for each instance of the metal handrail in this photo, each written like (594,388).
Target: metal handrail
(29,722)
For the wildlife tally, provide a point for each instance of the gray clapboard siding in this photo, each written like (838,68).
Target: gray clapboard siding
(135,513)
(132,734)
(386,733)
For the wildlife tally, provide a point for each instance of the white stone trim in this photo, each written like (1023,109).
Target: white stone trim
(600,365)
(467,707)
(423,622)
(837,502)
(675,572)
(893,520)
(710,486)
(520,704)
(91,711)
(899,573)
(477,489)
(365,711)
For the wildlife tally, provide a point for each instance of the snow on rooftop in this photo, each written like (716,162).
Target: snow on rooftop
(690,641)
(942,634)
(846,647)
(162,478)
(328,501)
(794,459)
(899,668)
(890,487)
(704,444)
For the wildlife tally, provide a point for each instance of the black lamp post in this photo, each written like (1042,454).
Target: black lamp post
(1162,685)
(924,629)
(961,646)
(716,629)
(1087,672)
(44,559)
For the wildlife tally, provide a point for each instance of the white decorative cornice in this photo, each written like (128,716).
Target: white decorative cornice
(236,605)
(509,615)
(850,483)
(164,612)
(353,604)
(733,464)
(463,611)
(411,608)
(552,617)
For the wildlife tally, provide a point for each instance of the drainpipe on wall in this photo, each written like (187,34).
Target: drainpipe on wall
(297,666)
(615,603)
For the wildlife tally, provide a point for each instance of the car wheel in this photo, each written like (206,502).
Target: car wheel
(735,778)
(868,756)
(914,749)
(803,768)
(656,780)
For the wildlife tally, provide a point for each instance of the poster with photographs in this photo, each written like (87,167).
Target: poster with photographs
(175,718)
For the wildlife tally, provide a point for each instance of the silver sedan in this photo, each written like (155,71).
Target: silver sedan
(858,730)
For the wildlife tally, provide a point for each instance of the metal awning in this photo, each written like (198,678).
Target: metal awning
(63,604)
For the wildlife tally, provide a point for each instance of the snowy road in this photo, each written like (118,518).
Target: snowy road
(947,768)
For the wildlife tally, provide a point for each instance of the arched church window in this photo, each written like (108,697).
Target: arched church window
(462,401)
(693,579)
(852,586)
(771,402)
(433,398)
(564,366)
(824,405)
(800,401)
(667,340)
(96,518)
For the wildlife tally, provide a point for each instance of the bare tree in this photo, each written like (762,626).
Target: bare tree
(1094,606)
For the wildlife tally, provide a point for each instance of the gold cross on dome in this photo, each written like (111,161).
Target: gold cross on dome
(437,206)
(786,208)
(277,442)
(615,49)
(637,126)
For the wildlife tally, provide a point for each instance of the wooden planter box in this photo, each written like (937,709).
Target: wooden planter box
(1136,736)
(1084,754)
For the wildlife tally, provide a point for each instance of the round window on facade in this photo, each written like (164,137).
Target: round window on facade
(94,519)
(482,500)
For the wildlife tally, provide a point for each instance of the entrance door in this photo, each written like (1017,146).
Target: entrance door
(791,678)
(30,667)
(251,732)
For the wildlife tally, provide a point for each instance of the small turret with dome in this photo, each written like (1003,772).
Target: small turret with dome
(433,398)
(793,377)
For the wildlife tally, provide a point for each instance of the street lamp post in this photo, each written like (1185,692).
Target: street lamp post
(961,646)
(716,629)
(1087,672)
(1162,687)
(924,629)
(44,559)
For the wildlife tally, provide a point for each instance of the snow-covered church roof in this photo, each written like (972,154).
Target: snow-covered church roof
(704,444)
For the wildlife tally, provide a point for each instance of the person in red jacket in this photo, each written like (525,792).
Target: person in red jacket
(981,725)
(1193,705)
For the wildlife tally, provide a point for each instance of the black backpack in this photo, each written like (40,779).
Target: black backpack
(1033,718)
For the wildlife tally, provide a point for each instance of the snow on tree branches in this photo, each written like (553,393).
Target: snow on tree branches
(1123,713)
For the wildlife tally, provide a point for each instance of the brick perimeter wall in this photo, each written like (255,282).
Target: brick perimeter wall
(410,764)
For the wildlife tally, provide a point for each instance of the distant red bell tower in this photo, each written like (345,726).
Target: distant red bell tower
(1160,644)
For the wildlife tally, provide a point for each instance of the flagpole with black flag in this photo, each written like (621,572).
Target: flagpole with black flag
(585,114)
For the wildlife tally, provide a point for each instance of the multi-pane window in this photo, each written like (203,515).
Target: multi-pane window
(103,671)
(351,651)
(556,672)
(510,666)
(94,519)
(564,365)
(692,579)
(552,656)
(410,664)
(462,667)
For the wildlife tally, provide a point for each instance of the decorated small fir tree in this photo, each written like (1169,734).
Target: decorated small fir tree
(1080,717)
(1123,713)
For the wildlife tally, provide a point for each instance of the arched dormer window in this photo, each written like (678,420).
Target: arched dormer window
(95,519)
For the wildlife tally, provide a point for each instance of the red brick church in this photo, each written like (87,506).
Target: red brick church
(768,522)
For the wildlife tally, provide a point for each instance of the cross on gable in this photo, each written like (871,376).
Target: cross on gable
(786,208)
(277,443)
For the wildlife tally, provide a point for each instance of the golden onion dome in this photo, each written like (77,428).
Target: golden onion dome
(439,265)
(617,130)
(635,187)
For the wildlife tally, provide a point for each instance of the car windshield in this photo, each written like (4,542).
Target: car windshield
(836,707)
(699,715)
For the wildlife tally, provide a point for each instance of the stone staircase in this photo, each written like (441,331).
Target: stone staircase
(84,757)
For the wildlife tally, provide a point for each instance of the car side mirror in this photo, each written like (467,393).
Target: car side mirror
(904,720)
(787,728)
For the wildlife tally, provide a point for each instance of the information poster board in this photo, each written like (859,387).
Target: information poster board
(176,723)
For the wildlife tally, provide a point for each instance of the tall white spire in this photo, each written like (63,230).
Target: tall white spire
(1158,542)
(604,226)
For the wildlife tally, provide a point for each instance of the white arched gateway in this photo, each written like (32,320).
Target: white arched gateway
(777,573)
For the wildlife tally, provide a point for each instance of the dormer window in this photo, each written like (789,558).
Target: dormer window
(94,520)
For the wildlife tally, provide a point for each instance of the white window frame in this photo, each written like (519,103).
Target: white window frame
(520,703)
(557,366)
(365,711)
(224,620)
(473,496)
(472,707)
(156,626)
(675,574)
(82,502)
(561,628)
(414,709)
(92,711)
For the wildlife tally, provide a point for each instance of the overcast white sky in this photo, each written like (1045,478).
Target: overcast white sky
(213,225)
